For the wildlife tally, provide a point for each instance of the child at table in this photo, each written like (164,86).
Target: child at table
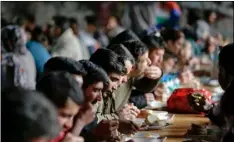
(183,79)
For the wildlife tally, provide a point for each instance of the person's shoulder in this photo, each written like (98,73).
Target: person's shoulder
(28,55)
(31,44)
(120,29)
(123,88)
(202,23)
(69,42)
(35,46)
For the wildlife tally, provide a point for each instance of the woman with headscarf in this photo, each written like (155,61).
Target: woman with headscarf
(17,64)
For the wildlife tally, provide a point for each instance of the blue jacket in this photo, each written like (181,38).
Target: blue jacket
(40,54)
(173,21)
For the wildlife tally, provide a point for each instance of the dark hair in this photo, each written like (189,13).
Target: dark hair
(30,18)
(171,34)
(109,61)
(95,74)
(207,14)
(227,100)
(190,33)
(38,35)
(13,34)
(91,20)
(59,86)
(169,55)
(64,64)
(208,42)
(194,15)
(136,48)
(122,52)
(61,22)
(18,20)
(73,21)
(154,40)
(226,58)
(27,115)
(147,31)
(124,36)
(49,26)
(4,22)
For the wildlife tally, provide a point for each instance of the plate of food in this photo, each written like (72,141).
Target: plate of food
(139,121)
(144,113)
(143,137)
(159,113)
(157,120)
(158,123)
(198,132)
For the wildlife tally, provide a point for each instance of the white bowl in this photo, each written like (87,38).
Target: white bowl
(160,112)
(155,105)
(145,135)
(139,121)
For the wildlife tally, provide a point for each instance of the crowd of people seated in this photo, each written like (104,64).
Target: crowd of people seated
(63,84)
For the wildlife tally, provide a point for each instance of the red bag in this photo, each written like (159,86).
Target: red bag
(178,102)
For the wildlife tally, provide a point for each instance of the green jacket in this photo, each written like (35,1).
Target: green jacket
(111,104)
(123,93)
(106,108)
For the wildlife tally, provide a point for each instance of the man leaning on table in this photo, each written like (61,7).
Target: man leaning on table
(114,66)
(121,95)
(226,75)
(144,76)
(149,74)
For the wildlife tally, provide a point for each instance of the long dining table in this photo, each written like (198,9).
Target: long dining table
(180,125)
